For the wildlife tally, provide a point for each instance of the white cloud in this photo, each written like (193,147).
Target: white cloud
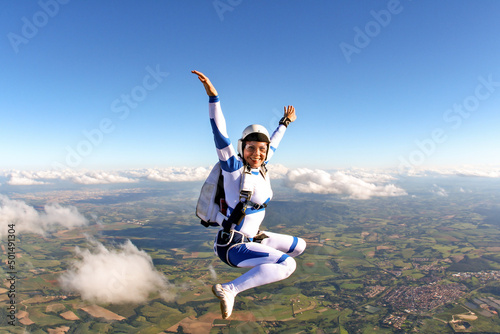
(173,174)
(483,172)
(115,275)
(370,176)
(182,174)
(321,182)
(27,219)
(24,178)
(277,171)
(101,178)
(439,191)
(176,174)
(467,171)
(380,180)
(17,180)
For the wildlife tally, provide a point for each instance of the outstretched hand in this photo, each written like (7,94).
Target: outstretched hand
(290,113)
(211,91)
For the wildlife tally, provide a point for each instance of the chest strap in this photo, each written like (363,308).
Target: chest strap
(246,192)
(255,205)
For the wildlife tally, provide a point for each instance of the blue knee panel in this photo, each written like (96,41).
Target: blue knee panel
(294,244)
(241,253)
(282,258)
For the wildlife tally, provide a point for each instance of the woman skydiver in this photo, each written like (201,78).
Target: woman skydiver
(246,185)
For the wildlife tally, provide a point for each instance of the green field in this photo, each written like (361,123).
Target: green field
(359,253)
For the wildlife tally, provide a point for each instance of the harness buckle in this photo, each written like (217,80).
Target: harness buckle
(246,195)
(254,205)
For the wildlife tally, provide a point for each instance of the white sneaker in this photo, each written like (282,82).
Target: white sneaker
(226,300)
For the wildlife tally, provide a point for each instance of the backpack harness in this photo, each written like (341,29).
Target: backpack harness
(212,208)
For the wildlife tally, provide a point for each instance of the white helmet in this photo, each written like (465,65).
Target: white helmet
(254,132)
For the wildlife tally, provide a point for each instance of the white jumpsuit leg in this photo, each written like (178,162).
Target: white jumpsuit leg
(271,261)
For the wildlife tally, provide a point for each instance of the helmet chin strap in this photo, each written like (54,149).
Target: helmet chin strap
(247,168)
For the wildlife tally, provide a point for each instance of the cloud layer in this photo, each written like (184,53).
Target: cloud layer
(173,174)
(118,275)
(353,186)
(466,171)
(316,183)
(27,219)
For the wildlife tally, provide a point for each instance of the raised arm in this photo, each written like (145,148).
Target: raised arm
(225,151)
(211,91)
(289,116)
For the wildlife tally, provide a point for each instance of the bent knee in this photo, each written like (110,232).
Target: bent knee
(300,247)
(289,266)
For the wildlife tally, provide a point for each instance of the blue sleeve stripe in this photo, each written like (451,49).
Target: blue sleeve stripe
(231,165)
(220,140)
(213,99)
(294,244)
(282,258)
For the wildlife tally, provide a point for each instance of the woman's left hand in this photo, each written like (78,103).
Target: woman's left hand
(290,113)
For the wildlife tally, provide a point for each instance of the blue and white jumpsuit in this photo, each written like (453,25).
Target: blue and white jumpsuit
(271,260)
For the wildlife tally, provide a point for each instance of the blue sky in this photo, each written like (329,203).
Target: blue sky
(107,85)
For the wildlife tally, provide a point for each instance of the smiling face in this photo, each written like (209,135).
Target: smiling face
(255,153)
